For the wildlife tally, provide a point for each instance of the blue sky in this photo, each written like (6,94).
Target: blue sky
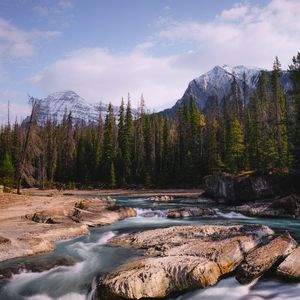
(104,49)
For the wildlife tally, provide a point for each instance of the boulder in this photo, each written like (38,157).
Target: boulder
(177,235)
(289,205)
(43,217)
(285,207)
(164,198)
(239,188)
(183,258)
(265,257)
(290,267)
(190,212)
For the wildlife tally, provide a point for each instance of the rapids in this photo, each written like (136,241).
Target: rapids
(93,257)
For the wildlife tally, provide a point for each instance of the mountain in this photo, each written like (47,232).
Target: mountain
(215,85)
(56,105)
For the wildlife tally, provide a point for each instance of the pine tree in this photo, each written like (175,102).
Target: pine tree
(109,147)
(121,145)
(280,118)
(128,143)
(237,147)
(294,71)
(7,171)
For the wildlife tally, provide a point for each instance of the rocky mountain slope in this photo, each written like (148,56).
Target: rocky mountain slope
(58,104)
(215,85)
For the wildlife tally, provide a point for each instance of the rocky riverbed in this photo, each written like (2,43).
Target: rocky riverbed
(31,224)
(182,258)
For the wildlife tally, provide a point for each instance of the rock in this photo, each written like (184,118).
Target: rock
(263,258)
(43,217)
(239,189)
(164,198)
(4,240)
(286,207)
(289,205)
(189,257)
(290,267)
(190,212)
(124,212)
(37,265)
(177,235)
(151,214)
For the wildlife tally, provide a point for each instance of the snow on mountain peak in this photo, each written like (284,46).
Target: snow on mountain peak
(58,104)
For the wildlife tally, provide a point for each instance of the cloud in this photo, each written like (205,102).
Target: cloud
(18,110)
(243,34)
(98,74)
(16,43)
(57,13)
(237,12)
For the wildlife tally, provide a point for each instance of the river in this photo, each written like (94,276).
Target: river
(94,257)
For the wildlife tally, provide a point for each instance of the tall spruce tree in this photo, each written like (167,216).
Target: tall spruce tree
(294,71)
(109,147)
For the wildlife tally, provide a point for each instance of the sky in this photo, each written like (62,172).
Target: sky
(104,50)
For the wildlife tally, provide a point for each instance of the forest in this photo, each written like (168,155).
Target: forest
(251,131)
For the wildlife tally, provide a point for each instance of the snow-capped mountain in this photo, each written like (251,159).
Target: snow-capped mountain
(56,105)
(215,85)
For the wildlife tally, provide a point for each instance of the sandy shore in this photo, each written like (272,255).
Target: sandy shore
(56,218)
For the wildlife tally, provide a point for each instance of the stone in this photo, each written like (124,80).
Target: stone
(176,235)
(239,188)
(43,217)
(190,212)
(164,198)
(265,257)
(183,258)
(290,267)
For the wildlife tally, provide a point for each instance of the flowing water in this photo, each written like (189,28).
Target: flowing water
(94,257)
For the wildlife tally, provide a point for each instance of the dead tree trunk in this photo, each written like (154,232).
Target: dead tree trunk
(25,146)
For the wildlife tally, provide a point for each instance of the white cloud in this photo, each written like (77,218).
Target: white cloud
(243,34)
(97,74)
(237,12)
(16,43)
(18,110)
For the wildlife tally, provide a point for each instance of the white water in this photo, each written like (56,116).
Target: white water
(58,280)
(94,257)
(231,215)
(227,289)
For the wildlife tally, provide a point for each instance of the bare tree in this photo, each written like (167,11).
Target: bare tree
(26,169)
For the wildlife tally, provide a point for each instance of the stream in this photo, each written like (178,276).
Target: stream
(93,257)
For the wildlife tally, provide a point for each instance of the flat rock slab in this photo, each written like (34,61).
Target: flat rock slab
(263,258)
(183,258)
(178,235)
(290,267)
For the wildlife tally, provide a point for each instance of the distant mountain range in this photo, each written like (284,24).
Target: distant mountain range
(58,104)
(215,85)
(211,87)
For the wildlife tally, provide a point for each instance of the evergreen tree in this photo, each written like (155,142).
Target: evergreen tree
(109,147)
(7,171)
(294,71)
(280,118)
(237,147)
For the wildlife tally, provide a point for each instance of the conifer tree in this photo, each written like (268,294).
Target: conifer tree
(109,147)
(7,171)
(294,71)
(280,118)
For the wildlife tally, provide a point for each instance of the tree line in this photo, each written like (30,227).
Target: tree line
(249,131)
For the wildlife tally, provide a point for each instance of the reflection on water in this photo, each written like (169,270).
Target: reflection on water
(93,257)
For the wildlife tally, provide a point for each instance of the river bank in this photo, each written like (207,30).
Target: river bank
(73,269)
(30,223)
